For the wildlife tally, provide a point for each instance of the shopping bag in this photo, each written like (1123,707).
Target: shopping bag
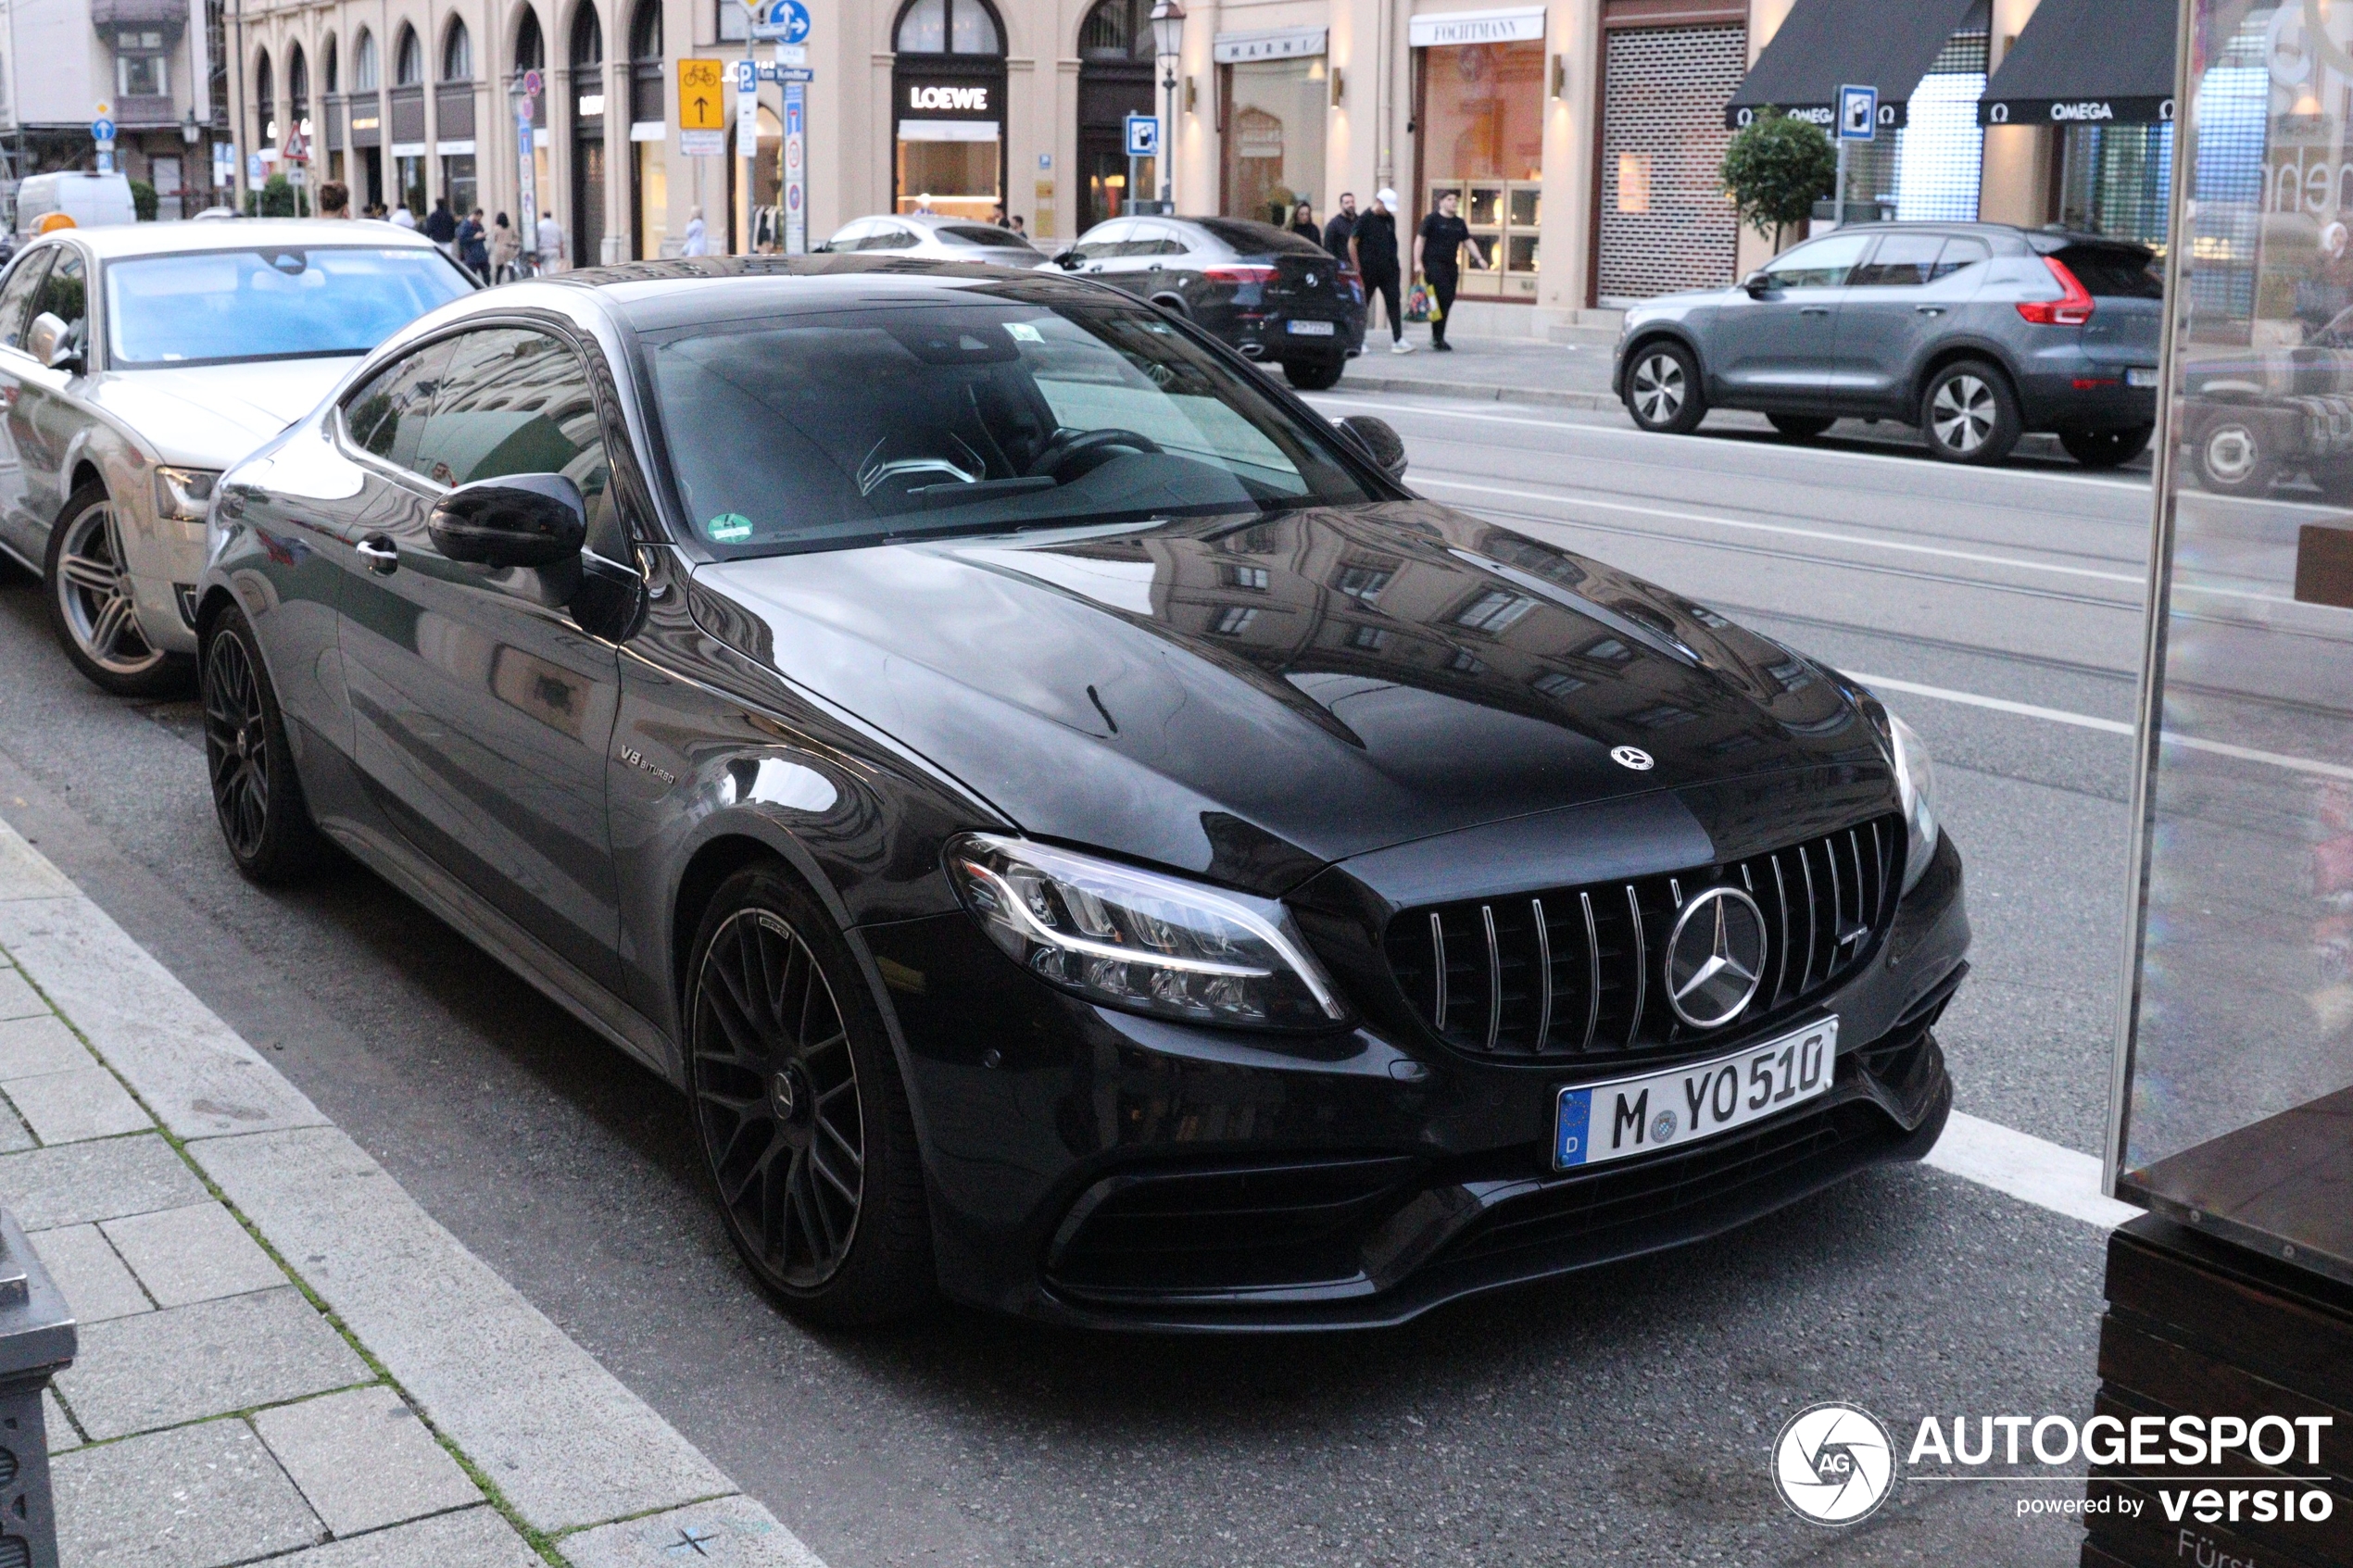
(1419,303)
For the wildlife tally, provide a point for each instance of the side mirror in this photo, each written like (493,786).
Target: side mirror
(1759,284)
(1069,261)
(1377,440)
(518,520)
(50,341)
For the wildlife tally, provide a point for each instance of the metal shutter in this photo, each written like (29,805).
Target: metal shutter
(1662,96)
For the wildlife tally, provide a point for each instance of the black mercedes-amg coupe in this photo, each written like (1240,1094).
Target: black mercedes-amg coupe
(1082,836)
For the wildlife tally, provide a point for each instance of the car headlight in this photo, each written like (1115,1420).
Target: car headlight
(1142,941)
(1915,786)
(186,494)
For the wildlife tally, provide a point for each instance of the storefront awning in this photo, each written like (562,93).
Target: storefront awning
(1826,44)
(2086,62)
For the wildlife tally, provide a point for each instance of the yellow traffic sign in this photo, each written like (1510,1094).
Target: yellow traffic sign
(702,95)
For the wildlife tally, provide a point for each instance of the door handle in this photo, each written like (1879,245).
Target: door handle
(1927,310)
(1813,309)
(381,554)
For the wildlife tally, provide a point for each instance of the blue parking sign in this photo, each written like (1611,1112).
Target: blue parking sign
(1857,114)
(1143,136)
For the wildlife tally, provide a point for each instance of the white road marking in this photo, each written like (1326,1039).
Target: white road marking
(2031,1168)
(2112,726)
(2136,578)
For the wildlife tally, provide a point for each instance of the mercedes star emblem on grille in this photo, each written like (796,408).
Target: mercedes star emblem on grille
(1715,958)
(1632,756)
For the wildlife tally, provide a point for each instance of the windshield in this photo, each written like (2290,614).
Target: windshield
(818,432)
(214,308)
(978,235)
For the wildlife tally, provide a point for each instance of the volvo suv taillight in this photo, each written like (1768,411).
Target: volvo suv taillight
(2073,308)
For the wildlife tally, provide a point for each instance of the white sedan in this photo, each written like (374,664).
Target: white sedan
(138,362)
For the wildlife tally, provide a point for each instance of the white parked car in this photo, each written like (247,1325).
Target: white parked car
(92,201)
(934,238)
(138,362)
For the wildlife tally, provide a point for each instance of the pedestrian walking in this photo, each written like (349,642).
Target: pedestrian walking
(473,244)
(334,199)
(506,249)
(1437,257)
(403,217)
(441,228)
(697,236)
(1019,227)
(550,246)
(1342,225)
(1372,245)
(1303,222)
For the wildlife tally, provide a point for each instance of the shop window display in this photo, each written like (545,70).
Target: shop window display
(1274,139)
(1482,137)
(947,90)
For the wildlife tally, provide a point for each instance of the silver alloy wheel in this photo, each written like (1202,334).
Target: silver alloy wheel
(1963,413)
(93,589)
(2231,453)
(1658,387)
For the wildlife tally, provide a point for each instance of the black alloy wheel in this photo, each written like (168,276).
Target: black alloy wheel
(2105,449)
(1799,427)
(256,796)
(1663,389)
(1314,375)
(91,604)
(797,1101)
(1969,414)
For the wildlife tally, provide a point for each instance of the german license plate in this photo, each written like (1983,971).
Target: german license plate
(2141,375)
(1598,1122)
(1311,329)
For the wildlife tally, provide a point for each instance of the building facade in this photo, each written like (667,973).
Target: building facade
(1583,136)
(153,68)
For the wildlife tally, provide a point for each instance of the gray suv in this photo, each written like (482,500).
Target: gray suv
(1975,333)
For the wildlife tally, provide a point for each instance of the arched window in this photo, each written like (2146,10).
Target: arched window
(408,63)
(297,84)
(327,64)
(530,47)
(265,98)
(457,53)
(587,39)
(365,77)
(949,27)
(1118,29)
(645,32)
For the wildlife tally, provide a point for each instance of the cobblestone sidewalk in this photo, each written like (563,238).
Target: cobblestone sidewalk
(281,1357)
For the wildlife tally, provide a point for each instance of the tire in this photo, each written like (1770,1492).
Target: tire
(91,608)
(256,796)
(799,1107)
(2105,449)
(1662,390)
(2234,454)
(1314,375)
(1799,427)
(1969,414)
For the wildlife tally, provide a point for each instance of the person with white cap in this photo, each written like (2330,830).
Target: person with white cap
(1373,249)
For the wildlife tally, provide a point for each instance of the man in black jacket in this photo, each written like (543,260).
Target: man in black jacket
(1343,224)
(441,224)
(1373,247)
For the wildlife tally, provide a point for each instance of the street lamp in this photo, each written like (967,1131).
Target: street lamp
(1168,40)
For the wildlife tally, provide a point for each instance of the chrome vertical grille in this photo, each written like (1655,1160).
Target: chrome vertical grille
(1567,973)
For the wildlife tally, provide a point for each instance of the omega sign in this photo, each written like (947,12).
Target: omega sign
(928,98)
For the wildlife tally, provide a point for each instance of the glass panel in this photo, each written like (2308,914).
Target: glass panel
(219,306)
(1519,253)
(1528,202)
(924,29)
(1483,111)
(1483,208)
(16,294)
(955,178)
(1273,141)
(2239,1081)
(974,31)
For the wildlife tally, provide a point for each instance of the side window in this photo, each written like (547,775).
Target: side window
(65,293)
(1104,240)
(890,237)
(1901,259)
(1959,253)
(15,295)
(850,236)
(1818,263)
(1151,239)
(515,401)
(387,415)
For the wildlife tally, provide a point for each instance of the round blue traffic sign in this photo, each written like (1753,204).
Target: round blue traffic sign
(793,18)
(103,130)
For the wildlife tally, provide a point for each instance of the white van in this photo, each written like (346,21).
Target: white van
(90,200)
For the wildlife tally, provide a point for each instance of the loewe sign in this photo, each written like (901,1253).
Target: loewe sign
(959,98)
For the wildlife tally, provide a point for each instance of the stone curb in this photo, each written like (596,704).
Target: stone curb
(1477,392)
(578,1458)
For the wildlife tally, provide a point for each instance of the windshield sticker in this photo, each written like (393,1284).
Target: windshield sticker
(728,528)
(1021,331)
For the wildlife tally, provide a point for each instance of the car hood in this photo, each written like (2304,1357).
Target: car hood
(1254,700)
(208,415)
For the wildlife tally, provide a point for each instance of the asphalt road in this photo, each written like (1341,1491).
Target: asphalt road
(1618,1417)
